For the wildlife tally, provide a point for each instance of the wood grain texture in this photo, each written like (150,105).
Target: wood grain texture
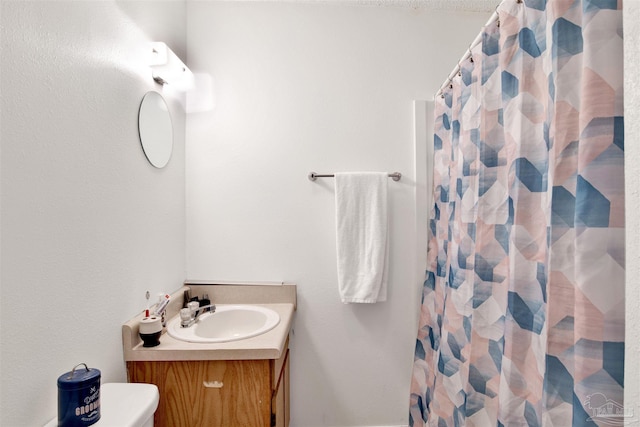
(280,404)
(243,400)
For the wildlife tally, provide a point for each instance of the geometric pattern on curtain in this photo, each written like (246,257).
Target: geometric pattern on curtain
(522,316)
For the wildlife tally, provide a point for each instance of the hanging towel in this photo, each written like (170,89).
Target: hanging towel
(361,231)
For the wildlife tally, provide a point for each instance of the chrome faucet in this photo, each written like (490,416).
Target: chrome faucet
(191,314)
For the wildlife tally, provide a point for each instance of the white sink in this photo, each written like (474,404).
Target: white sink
(228,323)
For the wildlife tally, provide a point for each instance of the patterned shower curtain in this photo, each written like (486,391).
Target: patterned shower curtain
(522,317)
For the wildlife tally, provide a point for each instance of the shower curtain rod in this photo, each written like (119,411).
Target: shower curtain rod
(467,54)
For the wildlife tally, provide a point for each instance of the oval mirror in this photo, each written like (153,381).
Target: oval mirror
(155,128)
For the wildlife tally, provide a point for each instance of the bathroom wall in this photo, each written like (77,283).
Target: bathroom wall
(87,223)
(325,87)
(632,177)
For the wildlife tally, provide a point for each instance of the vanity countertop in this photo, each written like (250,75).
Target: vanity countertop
(270,345)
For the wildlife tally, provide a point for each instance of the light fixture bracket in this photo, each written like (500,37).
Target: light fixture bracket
(168,69)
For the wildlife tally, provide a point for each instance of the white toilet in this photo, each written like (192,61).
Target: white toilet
(125,405)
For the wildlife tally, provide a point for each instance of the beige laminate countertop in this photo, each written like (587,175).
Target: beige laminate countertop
(269,345)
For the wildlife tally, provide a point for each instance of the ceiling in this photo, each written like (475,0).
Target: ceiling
(458,5)
(467,5)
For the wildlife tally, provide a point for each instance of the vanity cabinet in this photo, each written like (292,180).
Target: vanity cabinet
(218,393)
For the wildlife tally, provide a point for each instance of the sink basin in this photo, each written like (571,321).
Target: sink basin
(228,323)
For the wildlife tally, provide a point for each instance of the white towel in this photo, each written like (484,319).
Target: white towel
(361,231)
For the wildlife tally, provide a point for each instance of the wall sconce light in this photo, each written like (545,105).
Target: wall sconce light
(167,68)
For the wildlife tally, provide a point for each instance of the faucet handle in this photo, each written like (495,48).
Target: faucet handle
(194,307)
(185,314)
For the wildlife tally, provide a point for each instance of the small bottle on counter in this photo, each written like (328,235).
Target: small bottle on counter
(204,302)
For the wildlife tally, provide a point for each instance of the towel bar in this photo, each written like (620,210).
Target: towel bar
(313,176)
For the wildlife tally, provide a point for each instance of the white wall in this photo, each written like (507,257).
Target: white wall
(632,177)
(319,87)
(87,223)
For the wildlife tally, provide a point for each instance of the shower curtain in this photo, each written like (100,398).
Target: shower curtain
(522,316)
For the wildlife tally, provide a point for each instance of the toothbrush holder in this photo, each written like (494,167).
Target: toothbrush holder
(150,331)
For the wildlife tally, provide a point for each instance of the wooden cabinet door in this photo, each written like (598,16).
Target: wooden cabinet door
(280,404)
(211,393)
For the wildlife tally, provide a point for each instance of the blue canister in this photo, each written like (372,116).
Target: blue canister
(79,397)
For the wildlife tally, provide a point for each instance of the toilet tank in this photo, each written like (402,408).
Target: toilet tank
(125,405)
(128,404)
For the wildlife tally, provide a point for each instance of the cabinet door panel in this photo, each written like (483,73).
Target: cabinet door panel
(280,404)
(242,389)
(209,393)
